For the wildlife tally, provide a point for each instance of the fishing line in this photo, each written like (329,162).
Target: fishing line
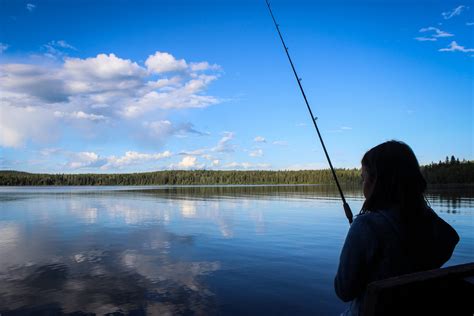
(347,209)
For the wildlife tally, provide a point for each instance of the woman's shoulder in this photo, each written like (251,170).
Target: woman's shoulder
(376,220)
(371,216)
(365,222)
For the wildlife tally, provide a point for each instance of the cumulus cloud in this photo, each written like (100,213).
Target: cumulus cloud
(31,85)
(20,124)
(163,62)
(106,88)
(182,97)
(133,157)
(103,68)
(3,47)
(93,160)
(86,160)
(259,139)
(454,12)
(30,7)
(188,162)
(454,47)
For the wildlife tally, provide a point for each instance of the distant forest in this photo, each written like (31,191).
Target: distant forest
(450,171)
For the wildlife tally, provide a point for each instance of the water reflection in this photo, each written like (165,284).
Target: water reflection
(254,191)
(451,199)
(453,196)
(180,250)
(102,271)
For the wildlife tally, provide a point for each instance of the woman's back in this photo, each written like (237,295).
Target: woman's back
(379,246)
(396,232)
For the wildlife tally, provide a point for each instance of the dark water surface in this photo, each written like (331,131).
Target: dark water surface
(245,250)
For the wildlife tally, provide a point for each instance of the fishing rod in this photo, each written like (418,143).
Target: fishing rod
(347,209)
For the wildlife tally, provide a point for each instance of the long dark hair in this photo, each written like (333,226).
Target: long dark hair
(396,180)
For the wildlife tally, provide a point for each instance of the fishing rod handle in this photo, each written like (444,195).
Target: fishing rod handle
(348,211)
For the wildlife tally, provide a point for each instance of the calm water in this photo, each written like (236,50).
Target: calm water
(184,251)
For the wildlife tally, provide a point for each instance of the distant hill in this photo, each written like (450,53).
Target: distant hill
(448,172)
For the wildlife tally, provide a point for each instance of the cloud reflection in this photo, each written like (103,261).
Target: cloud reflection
(109,271)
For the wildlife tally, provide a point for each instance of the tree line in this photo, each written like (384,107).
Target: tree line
(181,177)
(452,170)
(449,171)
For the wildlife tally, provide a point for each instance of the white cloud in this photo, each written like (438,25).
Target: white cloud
(424,39)
(30,7)
(301,124)
(188,162)
(55,49)
(454,12)
(247,166)
(80,115)
(63,44)
(27,85)
(173,82)
(454,47)
(346,128)
(93,160)
(259,139)
(435,32)
(224,143)
(103,67)
(160,130)
(162,62)
(469,23)
(85,159)
(20,124)
(256,153)
(203,66)
(133,158)
(3,47)
(182,97)
(197,152)
(105,88)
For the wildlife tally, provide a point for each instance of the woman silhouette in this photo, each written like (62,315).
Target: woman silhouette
(396,232)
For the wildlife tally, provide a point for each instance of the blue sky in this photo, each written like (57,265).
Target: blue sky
(125,86)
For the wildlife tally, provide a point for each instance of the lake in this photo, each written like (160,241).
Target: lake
(202,250)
